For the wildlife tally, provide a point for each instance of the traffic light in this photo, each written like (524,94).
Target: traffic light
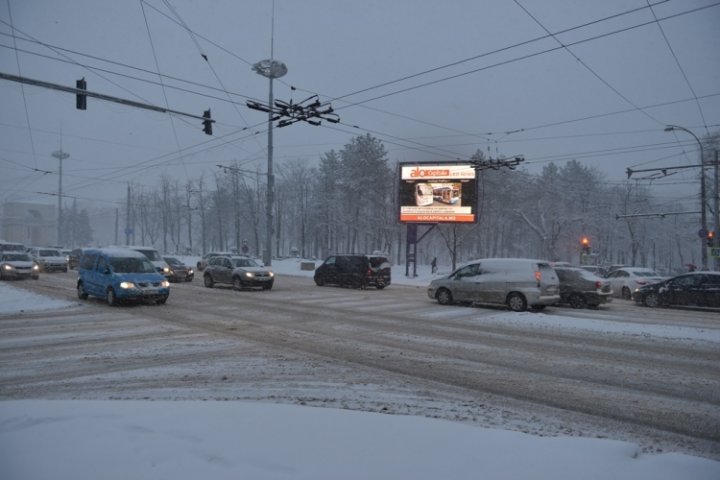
(710,238)
(585,244)
(207,123)
(81,98)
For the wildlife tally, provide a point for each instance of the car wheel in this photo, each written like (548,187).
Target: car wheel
(626,293)
(161,301)
(516,302)
(652,300)
(208,281)
(110,297)
(82,294)
(319,281)
(237,283)
(577,301)
(444,297)
(380,286)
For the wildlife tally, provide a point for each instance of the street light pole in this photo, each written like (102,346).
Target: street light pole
(60,155)
(703,215)
(271,69)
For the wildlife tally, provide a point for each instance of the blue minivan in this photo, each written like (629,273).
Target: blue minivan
(120,274)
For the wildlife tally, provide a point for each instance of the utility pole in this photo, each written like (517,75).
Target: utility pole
(716,206)
(60,155)
(703,216)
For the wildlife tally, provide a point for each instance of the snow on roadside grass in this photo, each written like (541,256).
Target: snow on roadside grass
(14,300)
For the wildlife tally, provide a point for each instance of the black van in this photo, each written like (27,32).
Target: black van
(358,271)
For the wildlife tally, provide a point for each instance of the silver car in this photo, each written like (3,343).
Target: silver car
(238,271)
(514,282)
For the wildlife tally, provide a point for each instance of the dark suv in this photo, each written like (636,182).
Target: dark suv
(359,271)
(580,288)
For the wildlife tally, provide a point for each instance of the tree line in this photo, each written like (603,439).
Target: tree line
(347,203)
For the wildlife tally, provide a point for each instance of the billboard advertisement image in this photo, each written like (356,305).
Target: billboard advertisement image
(439,192)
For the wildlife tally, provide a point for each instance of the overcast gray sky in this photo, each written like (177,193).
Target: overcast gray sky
(432,80)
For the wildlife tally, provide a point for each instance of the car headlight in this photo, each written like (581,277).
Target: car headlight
(271,274)
(166,270)
(127,285)
(190,271)
(7,267)
(249,274)
(36,267)
(165,284)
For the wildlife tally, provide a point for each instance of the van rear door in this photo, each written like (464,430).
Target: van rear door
(548,280)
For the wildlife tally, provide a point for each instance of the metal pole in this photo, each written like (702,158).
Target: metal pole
(703,215)
(267,253)
(716,240)
(60,155)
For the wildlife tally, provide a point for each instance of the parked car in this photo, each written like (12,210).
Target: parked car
(238,271)
(581,288)
(625,280)
(514,282)
(596,269)
(48,259)
(120,274)
(17,265)
(203,262)
(700,289)
(359,271)
(74,258)
(179,272)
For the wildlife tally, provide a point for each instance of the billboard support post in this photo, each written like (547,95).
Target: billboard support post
(411,246)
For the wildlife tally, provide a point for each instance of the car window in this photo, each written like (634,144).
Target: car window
(468,271)
(377,261)
(152,255)
(711,281)
(87,262)
(131,265)
(330,261)
(49,253)
(17,257)
(102,263)
(227,263)
(245,262)
(686,281)
(646,273)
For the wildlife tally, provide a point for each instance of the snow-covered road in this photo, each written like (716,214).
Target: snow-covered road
(621,372)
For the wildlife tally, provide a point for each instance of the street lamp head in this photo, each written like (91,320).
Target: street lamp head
(669,128)
(270,68)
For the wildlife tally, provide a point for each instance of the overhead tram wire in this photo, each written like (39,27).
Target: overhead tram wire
(74,62)
(523,57)
(682,70)
(682,13)
(22,87)
(124,65)
(167,102)
(586,66)
(503,49)
(207,62)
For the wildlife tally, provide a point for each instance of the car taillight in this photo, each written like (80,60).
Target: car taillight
(538,277)
(598,285)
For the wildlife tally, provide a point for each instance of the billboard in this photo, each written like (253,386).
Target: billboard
(438,192)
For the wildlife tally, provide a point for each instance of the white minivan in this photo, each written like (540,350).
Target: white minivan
(154,256)
(518,283)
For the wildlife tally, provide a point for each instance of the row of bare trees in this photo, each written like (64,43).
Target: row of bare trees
(348,203)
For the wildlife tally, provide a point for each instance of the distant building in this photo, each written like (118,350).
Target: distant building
(28,223)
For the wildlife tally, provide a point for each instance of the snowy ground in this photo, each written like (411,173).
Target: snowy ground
(216,440)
